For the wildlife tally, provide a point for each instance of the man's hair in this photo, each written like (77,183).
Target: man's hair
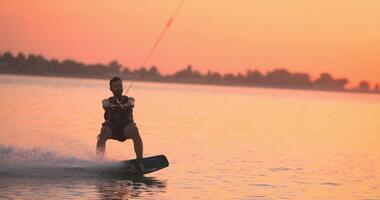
(114,79)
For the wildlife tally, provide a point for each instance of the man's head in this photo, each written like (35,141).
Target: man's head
(116,86)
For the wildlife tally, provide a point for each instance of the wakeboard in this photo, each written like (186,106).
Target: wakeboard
(145,165)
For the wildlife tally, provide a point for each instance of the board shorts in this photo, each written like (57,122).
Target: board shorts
(117,130)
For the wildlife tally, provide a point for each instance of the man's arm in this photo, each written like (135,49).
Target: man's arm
(107,105)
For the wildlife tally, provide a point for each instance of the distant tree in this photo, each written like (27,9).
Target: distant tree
(98,70)
(73,67)
(279,77)
(229,77)
(364,85)
(8,58)
(254,77)
(37,63)
(54,66)
(188,73)
(324,81)
(126,71)
(213,76)
(4,66)
(300,80)
(340,83)
(141,72)
(21,61)
(376,88)
(153,72)
(240,78)
(114,67)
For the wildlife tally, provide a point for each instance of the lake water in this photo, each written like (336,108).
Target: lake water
(222,142)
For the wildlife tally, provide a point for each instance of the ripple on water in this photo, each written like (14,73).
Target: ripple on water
(330,183)
(280,169)
(262,185)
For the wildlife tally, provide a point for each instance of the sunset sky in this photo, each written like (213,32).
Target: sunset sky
(341,37)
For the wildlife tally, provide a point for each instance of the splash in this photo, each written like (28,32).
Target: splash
(43,163)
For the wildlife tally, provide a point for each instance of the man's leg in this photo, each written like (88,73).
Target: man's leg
(132,132)
(105,134)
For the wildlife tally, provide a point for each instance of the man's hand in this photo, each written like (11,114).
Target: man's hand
(107,105)
(131,101)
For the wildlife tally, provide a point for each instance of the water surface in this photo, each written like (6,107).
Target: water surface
(222,142)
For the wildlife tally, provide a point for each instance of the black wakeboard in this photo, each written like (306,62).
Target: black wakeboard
(145,165)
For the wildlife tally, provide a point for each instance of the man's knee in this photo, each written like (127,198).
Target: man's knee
(105,133)
(132,131)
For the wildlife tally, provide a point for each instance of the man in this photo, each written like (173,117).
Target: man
(119,124)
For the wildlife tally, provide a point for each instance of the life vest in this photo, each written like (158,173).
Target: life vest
(115,115)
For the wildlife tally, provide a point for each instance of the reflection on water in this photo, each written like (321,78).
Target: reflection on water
(222,142)
(14,187)
(143,186)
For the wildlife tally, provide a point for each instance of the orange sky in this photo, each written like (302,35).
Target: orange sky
(341,37)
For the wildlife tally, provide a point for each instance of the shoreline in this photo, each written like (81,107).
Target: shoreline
(177,81)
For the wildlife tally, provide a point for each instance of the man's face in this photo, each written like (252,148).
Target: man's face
(117,88)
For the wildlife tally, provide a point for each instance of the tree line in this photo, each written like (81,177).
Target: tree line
(280,78)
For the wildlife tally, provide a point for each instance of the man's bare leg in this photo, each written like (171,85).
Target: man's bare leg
(105,134)
(132,132)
